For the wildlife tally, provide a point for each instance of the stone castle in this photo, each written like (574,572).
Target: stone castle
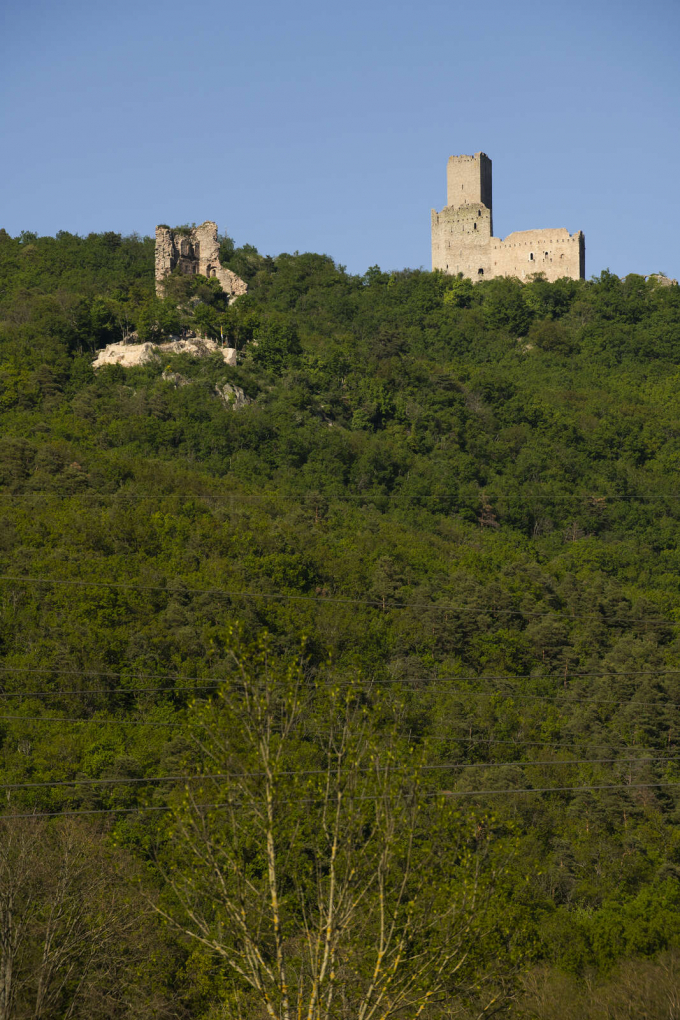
(463,241)
(194,251)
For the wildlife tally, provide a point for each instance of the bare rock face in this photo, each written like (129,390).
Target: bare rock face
(175,379)
(232,397)
(194,252)
(127,355)
(132,355)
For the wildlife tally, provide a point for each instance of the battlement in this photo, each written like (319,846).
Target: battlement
(463,241)
(194,251)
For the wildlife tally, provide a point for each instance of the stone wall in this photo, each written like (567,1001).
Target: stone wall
(554,252)
(463,241)
(194,252)
(468,181)
(460,236)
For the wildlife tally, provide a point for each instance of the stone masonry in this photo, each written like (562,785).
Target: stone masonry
(463,241)
(195,252)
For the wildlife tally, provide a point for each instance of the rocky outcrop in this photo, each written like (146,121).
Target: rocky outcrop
(127,355)
(233,397)
(175,379)
(133,355)
(194,251)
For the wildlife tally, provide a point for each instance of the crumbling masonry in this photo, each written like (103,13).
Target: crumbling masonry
(196,251)
(463,241)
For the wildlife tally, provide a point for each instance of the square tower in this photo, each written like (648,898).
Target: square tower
(468,180)
(463,241)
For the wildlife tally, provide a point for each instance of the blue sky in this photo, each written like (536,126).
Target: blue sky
(326,127)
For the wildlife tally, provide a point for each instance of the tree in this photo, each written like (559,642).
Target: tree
(72,937)
(310,862)
(157,319)
(276,345)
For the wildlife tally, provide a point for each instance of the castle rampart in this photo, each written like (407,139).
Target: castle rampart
(463,241)
(194,251)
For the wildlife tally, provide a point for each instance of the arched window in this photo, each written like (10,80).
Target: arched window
(531,256)
(480,272)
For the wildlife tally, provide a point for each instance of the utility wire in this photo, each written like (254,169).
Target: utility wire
(376,603)
(537,743)
(397,680)
(197,777)
(456,739)
(440,793)
(103,722)
(326,497)
(500,693)
(507,695)
(113,690)
(558,699)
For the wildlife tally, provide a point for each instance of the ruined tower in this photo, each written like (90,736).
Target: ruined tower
(194,251)
(463,241)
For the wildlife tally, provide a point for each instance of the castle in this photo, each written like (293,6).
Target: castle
(194,251)
(463,241)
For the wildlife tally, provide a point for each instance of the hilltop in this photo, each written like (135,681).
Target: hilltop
(462,498)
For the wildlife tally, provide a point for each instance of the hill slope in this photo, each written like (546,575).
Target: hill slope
(466,496)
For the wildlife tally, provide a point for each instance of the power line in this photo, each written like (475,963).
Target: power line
(376,603)
(104,722)
(566,701)
(555,698)
(455,739)
(511,695)
(304,800)
(537,743)
(455,678)
(112,690)
(327,497)
(198,777)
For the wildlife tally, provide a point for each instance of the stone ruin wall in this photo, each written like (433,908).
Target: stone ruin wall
(463,241)
(194,252)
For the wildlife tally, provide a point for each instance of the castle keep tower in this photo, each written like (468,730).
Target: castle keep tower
(468,181)
(194,251)
(463,241)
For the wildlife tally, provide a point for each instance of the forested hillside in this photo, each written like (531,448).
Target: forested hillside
(407,623)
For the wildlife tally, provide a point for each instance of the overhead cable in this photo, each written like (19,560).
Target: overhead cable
(383,604)
(196,777)
(308,800)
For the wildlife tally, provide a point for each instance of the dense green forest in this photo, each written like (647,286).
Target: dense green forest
(361,700)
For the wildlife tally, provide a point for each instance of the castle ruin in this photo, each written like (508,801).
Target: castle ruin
(194,251)
(463,241)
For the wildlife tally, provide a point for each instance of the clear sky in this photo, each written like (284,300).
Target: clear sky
(305,125)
